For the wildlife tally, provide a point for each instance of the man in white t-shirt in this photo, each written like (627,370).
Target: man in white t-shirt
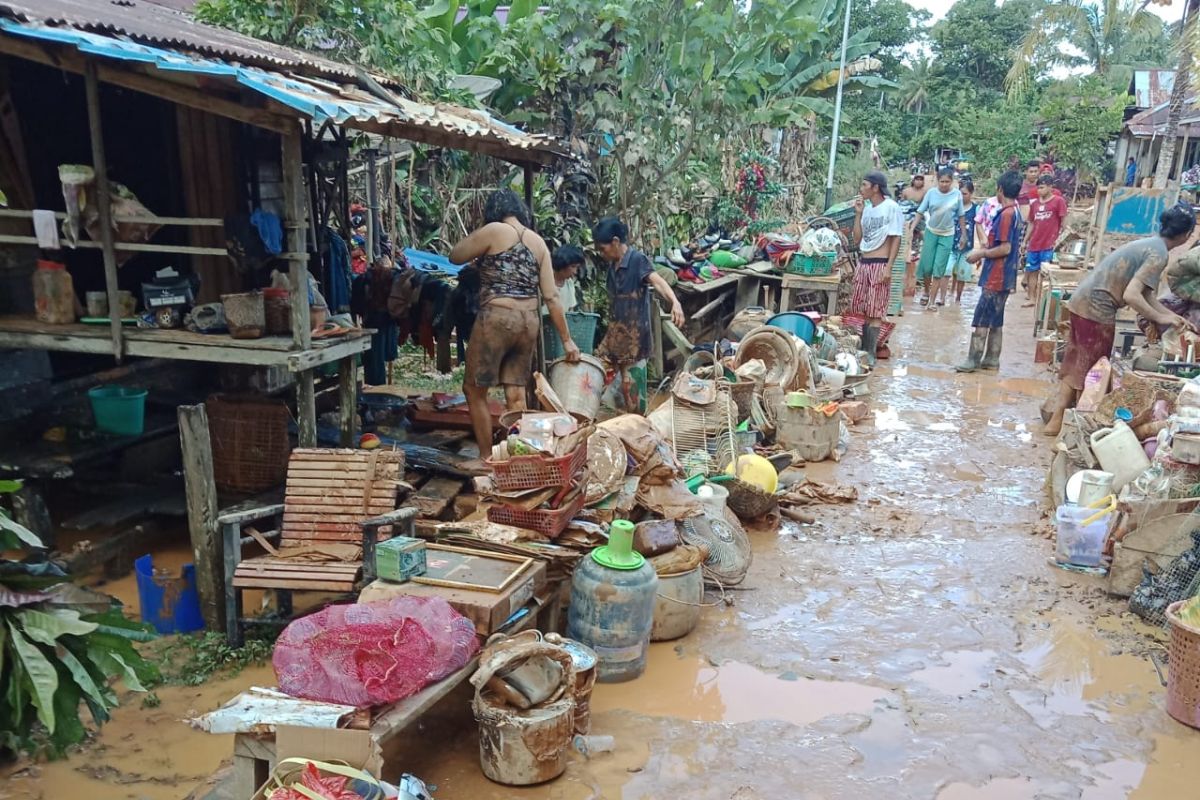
(878,226)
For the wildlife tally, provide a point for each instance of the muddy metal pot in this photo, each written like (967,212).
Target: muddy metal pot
(523,748)
(585,661)
(677,605)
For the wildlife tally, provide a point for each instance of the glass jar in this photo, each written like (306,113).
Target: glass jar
(53,293)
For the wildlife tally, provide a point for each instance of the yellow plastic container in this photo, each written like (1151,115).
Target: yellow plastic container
(756,470)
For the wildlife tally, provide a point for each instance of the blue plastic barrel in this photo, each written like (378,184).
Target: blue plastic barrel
(169,603)
(612,606)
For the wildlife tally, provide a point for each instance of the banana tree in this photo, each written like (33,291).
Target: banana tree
(60,648)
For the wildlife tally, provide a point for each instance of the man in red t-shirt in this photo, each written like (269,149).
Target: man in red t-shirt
(1029,187)
(1046,214)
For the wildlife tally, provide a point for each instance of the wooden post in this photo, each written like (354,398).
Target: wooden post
(91,83)
(348,400)
(540,354)
(293,198)
(373,248)
(529,196)
(656,343)
(201,492)
(293,224)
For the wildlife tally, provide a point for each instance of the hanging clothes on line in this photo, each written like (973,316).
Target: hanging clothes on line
(337,270)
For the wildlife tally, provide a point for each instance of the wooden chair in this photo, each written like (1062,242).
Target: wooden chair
(332,497)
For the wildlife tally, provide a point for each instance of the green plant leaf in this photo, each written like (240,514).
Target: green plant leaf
(10,486)
(27,537)
(69,728)
(40,673)
(47,627)
(81,676)
(130,675)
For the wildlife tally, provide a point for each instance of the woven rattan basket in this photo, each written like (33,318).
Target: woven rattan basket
(747,500)
(1183,679)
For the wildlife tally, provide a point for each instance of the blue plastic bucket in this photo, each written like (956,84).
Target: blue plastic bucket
(119,409)
(171,604)
(795,323)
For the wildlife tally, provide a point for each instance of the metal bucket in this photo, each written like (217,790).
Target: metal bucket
(579,385)
(523,748)
(677,605)
(585,661)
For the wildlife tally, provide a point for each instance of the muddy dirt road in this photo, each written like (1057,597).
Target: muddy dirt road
(913,645)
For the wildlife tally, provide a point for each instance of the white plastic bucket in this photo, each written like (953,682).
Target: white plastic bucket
(1079,544)
(714,496)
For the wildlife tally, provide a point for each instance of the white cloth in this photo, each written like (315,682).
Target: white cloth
(878,223)
(45,228)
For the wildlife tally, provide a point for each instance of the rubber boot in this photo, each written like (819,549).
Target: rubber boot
(995,340)
(870,339)
(978,337)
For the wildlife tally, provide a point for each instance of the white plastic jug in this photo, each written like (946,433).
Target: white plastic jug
(1120,453)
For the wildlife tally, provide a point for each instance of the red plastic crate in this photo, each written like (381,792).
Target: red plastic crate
(537,472)
(549,523)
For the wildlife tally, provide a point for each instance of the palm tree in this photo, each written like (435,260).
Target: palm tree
(1108,33)
(1189,40)
(914,88)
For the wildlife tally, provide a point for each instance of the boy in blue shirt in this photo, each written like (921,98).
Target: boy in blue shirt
(959,269)
(998,278)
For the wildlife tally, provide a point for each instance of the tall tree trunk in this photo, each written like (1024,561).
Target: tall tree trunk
(1179,93)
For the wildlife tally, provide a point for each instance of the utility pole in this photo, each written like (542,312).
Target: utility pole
(837,109)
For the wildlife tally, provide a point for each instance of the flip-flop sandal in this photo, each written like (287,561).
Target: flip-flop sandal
(329,330)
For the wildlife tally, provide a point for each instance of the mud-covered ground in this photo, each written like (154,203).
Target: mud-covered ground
(913,645)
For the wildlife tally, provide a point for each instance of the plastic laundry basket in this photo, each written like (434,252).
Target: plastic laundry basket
(119,409)
(1183,674)
(582,327)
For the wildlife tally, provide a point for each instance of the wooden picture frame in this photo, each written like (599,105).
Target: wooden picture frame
(471,570)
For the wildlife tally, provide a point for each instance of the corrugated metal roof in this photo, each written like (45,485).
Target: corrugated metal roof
(157,24)
(312,97)
(1152,122)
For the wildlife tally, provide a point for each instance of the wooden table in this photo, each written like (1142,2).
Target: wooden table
(254,754)
(793,284)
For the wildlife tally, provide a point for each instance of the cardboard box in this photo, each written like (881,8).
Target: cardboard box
(488,610)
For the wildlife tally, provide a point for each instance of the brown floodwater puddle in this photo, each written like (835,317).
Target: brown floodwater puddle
(689,687)
(141,753)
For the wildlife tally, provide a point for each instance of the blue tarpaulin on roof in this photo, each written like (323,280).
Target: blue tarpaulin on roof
(318,99)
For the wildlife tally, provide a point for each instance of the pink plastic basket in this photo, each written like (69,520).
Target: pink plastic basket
(549,523)
(538,472)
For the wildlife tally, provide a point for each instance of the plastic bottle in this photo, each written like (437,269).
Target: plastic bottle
(594,744)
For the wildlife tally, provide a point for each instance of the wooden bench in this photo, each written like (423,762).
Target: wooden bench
(332,497)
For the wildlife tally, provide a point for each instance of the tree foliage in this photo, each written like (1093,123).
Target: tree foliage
(977,38)
(1081,117)
(1101,34)
(59,649)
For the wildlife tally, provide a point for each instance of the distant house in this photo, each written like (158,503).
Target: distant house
(1142,137)
(1149,88)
